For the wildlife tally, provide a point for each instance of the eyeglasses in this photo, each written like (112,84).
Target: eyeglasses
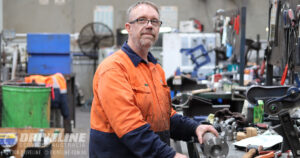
(143,21)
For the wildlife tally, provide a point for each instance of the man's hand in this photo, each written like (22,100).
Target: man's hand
(178,155)
(201,129)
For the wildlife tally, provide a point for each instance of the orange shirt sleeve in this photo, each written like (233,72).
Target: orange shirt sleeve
(118,102)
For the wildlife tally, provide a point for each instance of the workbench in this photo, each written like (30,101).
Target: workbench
(233,152)
(212,102)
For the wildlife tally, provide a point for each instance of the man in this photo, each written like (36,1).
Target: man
(131,114)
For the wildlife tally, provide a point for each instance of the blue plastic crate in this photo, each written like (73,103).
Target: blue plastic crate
(48,43)
(49,64)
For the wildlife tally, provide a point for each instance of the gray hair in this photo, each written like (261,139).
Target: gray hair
(140,3)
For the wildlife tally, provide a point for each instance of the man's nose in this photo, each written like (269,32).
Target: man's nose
(149,26)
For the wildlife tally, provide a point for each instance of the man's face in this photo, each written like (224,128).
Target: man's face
(143,35)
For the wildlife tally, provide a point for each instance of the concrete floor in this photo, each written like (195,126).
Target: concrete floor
(80,149)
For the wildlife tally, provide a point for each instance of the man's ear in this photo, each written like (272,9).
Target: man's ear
(127,27)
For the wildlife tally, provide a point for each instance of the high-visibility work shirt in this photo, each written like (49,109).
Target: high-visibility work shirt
(56,80)
(131,113)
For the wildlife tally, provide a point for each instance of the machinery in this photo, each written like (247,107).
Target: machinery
(213,146)
(278,101)
(198,63)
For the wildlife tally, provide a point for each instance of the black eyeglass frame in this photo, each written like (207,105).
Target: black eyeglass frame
(141,19)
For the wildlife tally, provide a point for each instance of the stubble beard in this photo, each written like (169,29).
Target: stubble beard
(147,42)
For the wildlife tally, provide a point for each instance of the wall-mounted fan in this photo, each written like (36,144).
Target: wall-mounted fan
(94,36)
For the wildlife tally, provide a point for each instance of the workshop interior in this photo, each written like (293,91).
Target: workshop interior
(232,64)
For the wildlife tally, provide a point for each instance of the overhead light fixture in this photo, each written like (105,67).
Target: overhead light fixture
(44,2)
(161,30)
(124,31)
(59,2)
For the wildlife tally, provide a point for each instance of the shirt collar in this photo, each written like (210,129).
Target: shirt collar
(134,57)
